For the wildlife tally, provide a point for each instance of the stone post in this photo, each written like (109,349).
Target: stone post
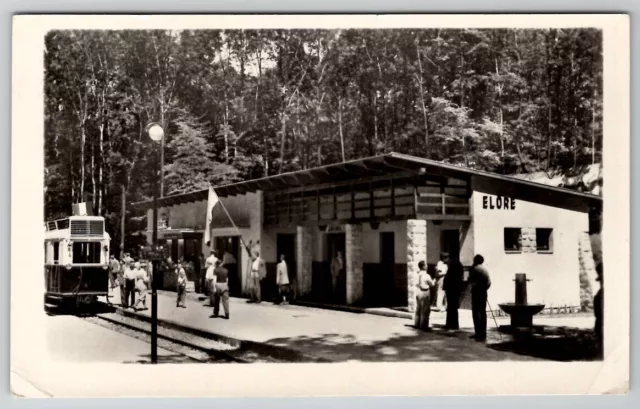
(588,274)
(416,252)
(304,257)
(354,263)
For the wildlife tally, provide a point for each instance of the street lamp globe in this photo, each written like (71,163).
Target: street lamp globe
(156,132)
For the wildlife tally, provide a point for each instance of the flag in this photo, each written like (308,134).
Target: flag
(83,209)
(211,202)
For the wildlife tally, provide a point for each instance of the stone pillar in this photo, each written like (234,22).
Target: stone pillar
(588,274)
(529,244)
(416,252)
(354,263)
(304,259)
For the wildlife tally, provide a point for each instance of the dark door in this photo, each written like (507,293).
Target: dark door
(378,281)
(336,243)
(286,245)
(451,243)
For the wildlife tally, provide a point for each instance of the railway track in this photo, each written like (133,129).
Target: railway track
(199,349)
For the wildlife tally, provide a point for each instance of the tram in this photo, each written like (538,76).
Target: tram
(76,261)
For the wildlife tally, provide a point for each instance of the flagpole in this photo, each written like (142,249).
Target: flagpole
(232,222)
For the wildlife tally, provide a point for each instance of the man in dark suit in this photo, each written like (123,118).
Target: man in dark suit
(453,285)
(480,283)
(221,287)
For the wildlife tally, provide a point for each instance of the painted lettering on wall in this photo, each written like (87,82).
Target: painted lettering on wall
(498,202)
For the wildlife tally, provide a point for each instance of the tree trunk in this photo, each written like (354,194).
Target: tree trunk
(164,127)
(226,129)
(340,127)
(422,102)
(123,213)
(283,132)
(100,170)
(593,131)
(82,146)
(548,102)
(93,177)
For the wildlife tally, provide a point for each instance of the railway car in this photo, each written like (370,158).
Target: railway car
(76,261)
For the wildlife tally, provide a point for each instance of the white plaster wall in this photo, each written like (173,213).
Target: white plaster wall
(269,244)
(434,243)
(371,239)
(555,276)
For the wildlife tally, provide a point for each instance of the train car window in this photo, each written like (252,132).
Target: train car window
(86,252)
(56,252)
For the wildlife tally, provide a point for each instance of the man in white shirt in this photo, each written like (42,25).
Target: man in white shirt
(130,274)
(210,265)
(258,272)
(282,280)
(441,272)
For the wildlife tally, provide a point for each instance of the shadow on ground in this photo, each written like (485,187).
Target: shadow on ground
(85,311)
(442,346)
(164,359)
(556,344)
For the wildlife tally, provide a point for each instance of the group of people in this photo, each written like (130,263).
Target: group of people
(131,277)
(448,284)
(216,280)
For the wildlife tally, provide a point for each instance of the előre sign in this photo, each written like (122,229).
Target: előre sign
(498,202)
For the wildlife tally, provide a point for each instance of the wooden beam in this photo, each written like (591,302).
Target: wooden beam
(372,211)
(335,205)
(353,203)
(393,199)
(318,203)
(352,182)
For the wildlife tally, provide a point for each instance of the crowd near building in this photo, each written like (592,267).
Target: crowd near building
(353,233)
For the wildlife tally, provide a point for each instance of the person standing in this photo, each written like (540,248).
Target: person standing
(336,267)
(210,264)
(123,267)
(441,272)
(258,273)
(282,279)
(197,268)
(423,302)
(142,283)
(598,305)
(182,286)
(129,286)
(114,268)
(203,271)
(452,285)
(480,282)
(221,285)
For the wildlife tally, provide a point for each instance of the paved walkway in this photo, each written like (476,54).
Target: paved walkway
(342,336)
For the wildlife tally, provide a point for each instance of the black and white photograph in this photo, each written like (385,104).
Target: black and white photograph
(340,195)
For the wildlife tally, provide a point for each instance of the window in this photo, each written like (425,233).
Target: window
(56,252)
(544,239)
(86,252)
(512,239)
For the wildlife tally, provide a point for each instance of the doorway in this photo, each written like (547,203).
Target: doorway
(336,246)
(378,277)
(450,243)
(228,249)
(286,245)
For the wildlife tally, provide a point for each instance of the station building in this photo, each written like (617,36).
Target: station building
(385,214)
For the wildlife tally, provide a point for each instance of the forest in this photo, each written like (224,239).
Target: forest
(242,104)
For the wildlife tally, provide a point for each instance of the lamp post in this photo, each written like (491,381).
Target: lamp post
(156,133)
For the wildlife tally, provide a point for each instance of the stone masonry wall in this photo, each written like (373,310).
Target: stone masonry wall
(416,252)
(354,267)
(587,272)
(529,240)
(304,255)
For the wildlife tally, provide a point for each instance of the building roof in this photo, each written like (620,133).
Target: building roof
(385,166)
